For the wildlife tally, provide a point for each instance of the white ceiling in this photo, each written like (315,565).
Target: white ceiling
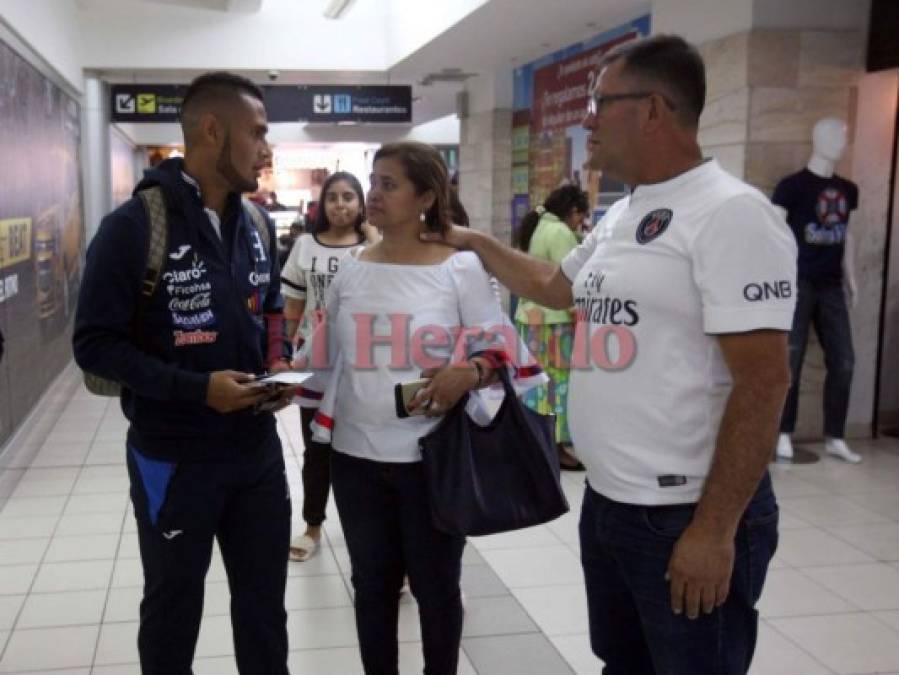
(503,34)
(246,6)
(490,41)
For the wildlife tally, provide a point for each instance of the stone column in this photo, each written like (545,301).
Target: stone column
(485,156)
(770,77)
(485,171)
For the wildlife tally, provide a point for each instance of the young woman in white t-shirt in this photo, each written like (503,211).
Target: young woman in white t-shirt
(312,264)
(416,293)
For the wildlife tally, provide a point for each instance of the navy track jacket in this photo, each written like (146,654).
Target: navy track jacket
(208,313)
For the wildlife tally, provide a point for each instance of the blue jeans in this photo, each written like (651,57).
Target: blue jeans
(625,551)
(384,511)
(824,305)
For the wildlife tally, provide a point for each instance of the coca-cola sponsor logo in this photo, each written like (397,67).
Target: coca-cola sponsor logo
(191,304)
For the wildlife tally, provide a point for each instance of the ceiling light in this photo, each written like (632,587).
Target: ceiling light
(335,8)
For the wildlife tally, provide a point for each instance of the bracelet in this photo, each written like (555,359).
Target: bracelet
(478,367)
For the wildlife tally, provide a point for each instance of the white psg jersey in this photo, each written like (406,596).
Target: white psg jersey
(666,270)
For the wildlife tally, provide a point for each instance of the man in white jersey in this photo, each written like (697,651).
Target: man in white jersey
(684,294)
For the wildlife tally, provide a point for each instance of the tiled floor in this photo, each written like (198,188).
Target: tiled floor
(70,576)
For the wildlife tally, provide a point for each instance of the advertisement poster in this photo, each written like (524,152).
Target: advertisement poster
(41,233)
(549,143)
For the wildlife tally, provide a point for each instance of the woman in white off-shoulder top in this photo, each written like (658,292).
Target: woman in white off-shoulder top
(395,310)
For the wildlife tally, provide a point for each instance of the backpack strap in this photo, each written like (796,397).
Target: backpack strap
(157,245)
(259,221)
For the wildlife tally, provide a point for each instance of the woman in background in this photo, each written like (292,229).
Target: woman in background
(305,277)
(549,232)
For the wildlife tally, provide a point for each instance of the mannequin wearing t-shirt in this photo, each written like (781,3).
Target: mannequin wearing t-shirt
(816,204)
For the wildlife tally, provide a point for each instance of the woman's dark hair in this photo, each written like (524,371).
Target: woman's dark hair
(561,202)
(425,168)
(458,214)
(321,223)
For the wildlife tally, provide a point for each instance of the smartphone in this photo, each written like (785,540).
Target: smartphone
(274,390)
(404,392)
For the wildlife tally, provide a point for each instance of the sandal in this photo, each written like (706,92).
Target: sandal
(302,548)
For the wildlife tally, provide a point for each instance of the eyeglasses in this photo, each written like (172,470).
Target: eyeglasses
(595,102)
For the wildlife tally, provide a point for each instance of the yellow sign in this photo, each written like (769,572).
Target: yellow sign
(15,241)
(146,103)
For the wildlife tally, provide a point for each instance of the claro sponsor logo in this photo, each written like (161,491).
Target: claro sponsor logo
(195,273)
(766,290)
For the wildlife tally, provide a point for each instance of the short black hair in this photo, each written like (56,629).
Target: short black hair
(561,202)
(673,63)
(213,90)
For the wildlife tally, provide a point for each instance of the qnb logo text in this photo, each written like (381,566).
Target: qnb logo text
(768,290)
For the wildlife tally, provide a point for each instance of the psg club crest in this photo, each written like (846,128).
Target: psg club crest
(832,207)
(652,225)
(832,214)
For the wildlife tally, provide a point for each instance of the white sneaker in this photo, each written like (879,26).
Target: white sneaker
(836,447)
(784,447)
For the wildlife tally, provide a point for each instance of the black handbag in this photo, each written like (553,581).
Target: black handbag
(494,478)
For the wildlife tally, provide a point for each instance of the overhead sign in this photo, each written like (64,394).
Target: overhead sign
(357,104)
(147,103)
(283,103)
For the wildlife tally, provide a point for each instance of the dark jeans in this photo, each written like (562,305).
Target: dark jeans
(384,511)
(625,551)
(316,472)
(180,510)
(824,305)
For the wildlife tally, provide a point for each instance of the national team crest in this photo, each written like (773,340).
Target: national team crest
(653,225)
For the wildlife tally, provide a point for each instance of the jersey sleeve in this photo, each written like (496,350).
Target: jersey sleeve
(744,264)
(293,276)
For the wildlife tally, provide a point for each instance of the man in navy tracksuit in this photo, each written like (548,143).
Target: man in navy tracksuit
(203,464)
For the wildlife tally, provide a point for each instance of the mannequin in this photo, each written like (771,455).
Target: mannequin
(816,204)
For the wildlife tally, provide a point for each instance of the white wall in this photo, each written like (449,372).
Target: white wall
(701,20)
(50,28)
(705,20)
(811,14)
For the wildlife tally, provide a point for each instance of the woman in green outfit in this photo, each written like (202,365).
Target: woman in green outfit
(549,232)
